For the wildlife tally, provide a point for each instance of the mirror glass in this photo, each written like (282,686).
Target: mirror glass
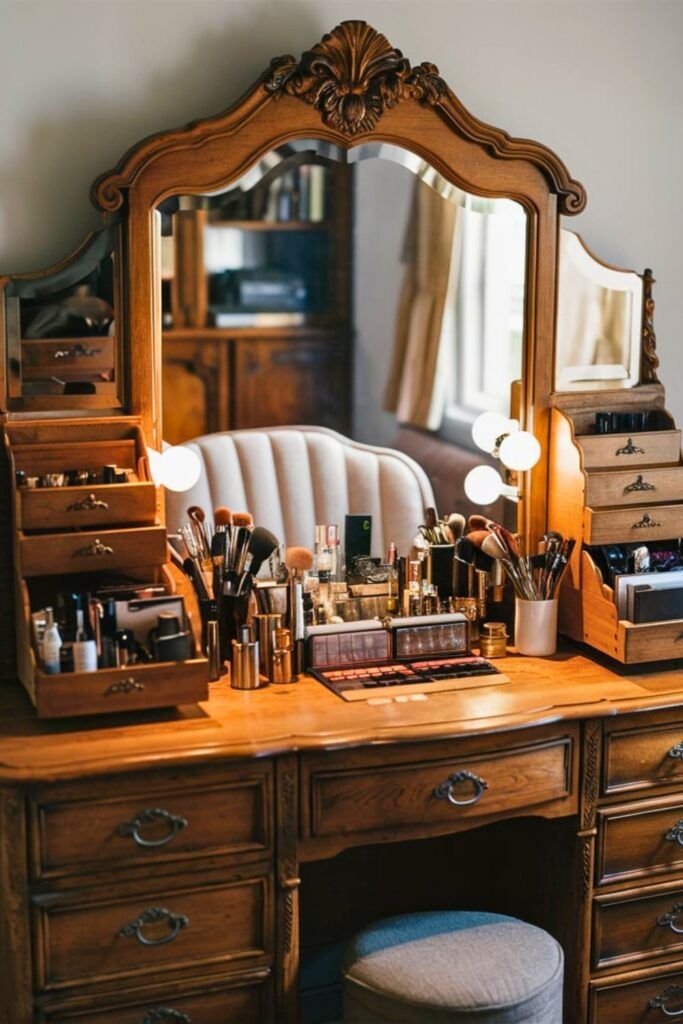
(357,290)
(599,316)
(61,330)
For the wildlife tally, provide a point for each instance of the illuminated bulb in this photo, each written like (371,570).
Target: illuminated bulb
(483,485)
(180,468)
(488,427)
(155,466)
(520,451)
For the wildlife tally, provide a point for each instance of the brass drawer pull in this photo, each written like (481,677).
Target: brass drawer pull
(675,833)
(163,1013)
(659,1002)
(147,817)
(668,920)
(126,685)
(87,504)
(95,550)
(639,485)
(76,351)
(676,751)
(444,791)
(646,523)
(630,449)
(152,916)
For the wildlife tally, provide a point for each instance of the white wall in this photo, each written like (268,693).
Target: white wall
(599,81)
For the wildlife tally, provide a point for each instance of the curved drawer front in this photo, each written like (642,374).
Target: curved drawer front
(657,447)
(631,487)
(151,821)
(646,758)
(638,925)
(152,931)
(640,840)
(633,525)
(436,793)
(652,1000)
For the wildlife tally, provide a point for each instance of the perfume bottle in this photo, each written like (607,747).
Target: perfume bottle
(52,644)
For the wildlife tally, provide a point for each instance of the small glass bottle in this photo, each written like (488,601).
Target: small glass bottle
(52,644)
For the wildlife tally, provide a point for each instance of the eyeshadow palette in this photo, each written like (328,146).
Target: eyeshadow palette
(392,679)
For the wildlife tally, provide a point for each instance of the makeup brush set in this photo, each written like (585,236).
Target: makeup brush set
(533,577)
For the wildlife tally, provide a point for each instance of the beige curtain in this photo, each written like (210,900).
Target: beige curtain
(416,388)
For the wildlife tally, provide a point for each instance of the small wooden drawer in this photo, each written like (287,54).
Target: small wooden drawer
(245,999)
(171,926)
(640,840)
(91,550)
(153,816)
(59,354)
(639,924)
(632,525)
(379,796)
(653,997)
(88,506)
(652,641)
(645,757)
(658,447)
(631,487)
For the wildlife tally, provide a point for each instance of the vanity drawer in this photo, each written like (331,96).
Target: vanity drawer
(632,525)
(643,758)
(86,506)
(58,354)
(91,550)
(639,840)
(169,927)
(631,487)
(134,820)
(631,1002)
(638,924)
(378,797)
(657,447)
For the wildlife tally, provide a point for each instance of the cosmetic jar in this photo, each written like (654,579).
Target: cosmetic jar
(493,637)
(283,668)
(266,623)
(244,672)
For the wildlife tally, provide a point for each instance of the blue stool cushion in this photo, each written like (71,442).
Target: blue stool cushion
(453,966)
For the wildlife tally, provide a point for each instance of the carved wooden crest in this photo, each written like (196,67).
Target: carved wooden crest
(352,76)
(650,359)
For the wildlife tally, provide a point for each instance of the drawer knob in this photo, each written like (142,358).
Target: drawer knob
(95,550)
(153,916)
(668,920)
(676,751)
(87,504)
(646,522)
(630,449)
(639,485)
(147,817)
(444,791)
(660,1002)
(127,685)
(76,351)
(675,833)
(163,1013)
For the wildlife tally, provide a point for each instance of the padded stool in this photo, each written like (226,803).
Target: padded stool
(453,968)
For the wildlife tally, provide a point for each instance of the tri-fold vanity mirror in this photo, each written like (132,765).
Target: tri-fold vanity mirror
(346,247)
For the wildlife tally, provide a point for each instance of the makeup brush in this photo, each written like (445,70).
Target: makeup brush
(456,524)
(193,571)
(222,518)
(197,518)
(262,544)
(297,560)
(242,525)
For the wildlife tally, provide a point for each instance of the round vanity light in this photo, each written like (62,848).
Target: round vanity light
(178,468)
(155,465)
(483,485)
(519,451)
(488,427)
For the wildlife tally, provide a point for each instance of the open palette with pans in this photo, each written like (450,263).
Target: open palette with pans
(396,678)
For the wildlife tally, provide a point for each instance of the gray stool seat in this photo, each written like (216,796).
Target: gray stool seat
(451,967)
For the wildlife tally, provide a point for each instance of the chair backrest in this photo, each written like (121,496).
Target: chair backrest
(291,478)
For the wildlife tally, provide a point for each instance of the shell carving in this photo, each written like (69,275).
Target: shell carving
(352,76)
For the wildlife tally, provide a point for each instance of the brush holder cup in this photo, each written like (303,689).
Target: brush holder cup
(233,615)
(536,627)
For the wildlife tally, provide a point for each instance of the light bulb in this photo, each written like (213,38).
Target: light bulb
(520,451)
(155,466)
(488,427)
(180,468)
(483,485)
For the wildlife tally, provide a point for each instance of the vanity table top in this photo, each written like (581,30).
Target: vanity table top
(306,716)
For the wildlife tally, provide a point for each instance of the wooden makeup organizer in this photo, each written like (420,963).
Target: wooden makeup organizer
(183,864)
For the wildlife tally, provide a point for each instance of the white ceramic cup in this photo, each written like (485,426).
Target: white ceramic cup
(536,627)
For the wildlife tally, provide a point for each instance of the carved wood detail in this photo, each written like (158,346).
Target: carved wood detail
(591,772)
(650,359)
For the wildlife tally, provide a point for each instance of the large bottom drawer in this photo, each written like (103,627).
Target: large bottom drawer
(650,999)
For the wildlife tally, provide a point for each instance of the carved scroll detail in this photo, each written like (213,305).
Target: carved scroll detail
(352,76)
(591,773)
(649,359)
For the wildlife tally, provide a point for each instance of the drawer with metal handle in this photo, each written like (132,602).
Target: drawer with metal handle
(436,794)
(90,550)
(648,756)
(651,997)
(632,525)
(108,935)
(623,451)
(152,817)
(640,486)
(638,925)
(640,840)
(85,506)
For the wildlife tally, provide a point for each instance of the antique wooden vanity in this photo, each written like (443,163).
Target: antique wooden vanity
(172,863)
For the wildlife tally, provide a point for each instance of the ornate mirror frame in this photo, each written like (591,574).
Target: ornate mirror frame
(352,87)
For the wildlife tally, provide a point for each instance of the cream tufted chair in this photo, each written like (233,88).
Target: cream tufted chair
(291,478)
